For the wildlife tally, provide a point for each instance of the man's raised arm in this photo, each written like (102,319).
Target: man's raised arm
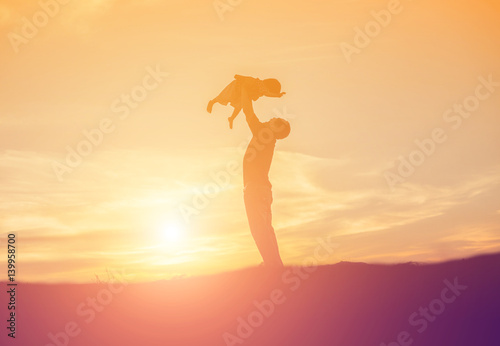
(252,120)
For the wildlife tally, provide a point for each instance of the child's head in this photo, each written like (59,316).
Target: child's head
(272,85)
(280,127)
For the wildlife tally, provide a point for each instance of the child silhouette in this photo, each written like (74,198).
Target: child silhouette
(255,88)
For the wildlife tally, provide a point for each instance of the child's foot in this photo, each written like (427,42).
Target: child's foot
(230,122)
(210,105)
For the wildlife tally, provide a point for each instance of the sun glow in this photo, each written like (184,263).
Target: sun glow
(172,233)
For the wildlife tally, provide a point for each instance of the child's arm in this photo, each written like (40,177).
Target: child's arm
(271,94)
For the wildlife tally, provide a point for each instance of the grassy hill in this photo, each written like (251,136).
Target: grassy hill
(347,304)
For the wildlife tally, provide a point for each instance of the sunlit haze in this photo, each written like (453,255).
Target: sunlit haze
(109,159)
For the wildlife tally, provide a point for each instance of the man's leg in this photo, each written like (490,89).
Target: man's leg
(258,208)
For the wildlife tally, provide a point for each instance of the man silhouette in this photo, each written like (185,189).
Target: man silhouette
(257,187)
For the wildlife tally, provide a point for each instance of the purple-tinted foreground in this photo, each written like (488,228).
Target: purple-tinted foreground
(348,304)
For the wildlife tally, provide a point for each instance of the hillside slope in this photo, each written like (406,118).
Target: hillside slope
(347,304)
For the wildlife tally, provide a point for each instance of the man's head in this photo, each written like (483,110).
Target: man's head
(280,127)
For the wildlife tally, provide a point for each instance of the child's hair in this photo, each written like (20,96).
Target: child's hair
(273,85)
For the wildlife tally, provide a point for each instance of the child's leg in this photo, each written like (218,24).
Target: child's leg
(211,104)
(233,116)
(226,95)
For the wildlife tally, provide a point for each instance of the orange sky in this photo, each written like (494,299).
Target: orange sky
(351,121)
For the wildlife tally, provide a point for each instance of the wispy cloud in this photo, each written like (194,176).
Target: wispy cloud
(113,209)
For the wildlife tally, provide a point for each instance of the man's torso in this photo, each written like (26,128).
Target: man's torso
(258,158)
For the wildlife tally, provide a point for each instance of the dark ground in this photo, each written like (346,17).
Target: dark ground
(346,304)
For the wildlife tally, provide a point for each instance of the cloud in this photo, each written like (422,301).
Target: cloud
(110,208)
(371,223)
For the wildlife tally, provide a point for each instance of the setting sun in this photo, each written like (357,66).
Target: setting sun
(172,232)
